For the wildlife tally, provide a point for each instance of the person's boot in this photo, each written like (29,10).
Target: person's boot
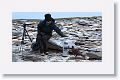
(42,54)
(46,53)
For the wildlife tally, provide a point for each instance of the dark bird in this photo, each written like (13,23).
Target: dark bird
(76,52)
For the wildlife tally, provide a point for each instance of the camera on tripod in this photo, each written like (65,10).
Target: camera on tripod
(26,24)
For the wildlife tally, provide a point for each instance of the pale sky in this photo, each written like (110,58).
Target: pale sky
(40,15)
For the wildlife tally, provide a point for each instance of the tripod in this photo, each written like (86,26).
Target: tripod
(25,33)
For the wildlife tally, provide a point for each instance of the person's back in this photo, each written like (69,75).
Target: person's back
(45,27)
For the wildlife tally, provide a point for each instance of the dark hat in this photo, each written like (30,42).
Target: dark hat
(48,17)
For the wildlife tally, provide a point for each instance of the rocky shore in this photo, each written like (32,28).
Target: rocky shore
(84,33)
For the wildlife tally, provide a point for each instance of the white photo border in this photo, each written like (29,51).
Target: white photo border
(104,67)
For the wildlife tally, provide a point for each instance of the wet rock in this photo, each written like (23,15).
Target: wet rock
(15,49)
(16,58)
(79,43)
(93,57)
(98,29)
(31,58)
(16,33)
(15,37)
(95,49)
(16,42)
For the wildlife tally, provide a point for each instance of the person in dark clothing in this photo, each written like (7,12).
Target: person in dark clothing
(45,29)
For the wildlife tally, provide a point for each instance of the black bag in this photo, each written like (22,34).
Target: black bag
(34,46)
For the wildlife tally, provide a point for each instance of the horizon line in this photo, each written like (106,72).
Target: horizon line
(40,15)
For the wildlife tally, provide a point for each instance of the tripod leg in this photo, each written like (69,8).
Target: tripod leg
(28,35)
(22,42)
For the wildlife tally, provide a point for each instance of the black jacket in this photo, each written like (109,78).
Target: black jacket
(47,29)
